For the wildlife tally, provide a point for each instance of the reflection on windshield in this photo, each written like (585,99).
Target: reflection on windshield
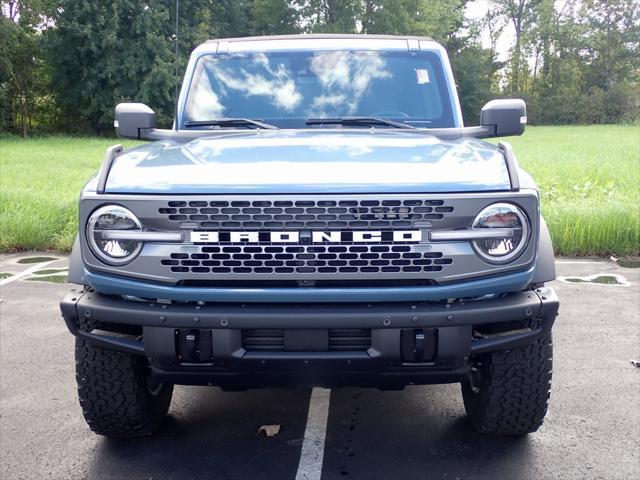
(279,88)
(345,77)
(322,84)
(204,103)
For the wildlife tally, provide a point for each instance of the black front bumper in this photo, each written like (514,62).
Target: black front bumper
(381,364)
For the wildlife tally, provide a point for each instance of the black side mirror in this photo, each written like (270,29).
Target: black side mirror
(134,120)
(506,117)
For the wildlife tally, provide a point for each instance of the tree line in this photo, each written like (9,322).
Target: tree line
(64,64)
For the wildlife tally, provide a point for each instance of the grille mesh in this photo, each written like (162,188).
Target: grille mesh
(305,259)
(283,214)
(340,339)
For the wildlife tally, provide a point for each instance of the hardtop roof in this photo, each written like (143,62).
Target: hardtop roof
(317,36)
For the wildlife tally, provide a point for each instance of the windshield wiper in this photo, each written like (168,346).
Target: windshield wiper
(371,121)
(229,122)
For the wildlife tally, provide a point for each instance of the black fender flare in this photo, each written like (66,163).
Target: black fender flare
(76,266)
(545,269)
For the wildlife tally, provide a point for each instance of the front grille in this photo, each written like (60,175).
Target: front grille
(263,340)
(307,259)
(273,339)
(301,214)
(349,339)
(325,249)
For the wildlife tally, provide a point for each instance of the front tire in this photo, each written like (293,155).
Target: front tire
(510,390)
(116,394)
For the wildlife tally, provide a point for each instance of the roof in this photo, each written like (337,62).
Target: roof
(317,42)
(317,36)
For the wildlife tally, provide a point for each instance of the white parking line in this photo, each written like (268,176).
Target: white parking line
(312,453)
(585,262)
(26,272)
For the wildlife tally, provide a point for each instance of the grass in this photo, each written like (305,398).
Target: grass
(36,260)
(40,181)
(50,271)
(589,178)
(49,278)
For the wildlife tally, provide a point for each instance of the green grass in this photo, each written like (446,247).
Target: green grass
(589,178)
(40,180)
(36,260)
(49,278)
(50,271)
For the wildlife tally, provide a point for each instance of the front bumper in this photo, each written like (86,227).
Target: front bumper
(382,365)
(109,284)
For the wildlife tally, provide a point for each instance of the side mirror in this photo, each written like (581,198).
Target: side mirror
(132,120)
(506,117)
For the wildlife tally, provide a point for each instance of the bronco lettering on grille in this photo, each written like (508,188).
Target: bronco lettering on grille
(339,236)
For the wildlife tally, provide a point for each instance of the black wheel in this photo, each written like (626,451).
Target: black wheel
(509,391)
(117,396)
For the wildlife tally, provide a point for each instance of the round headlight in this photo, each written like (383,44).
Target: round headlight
(505,216)
(103,222)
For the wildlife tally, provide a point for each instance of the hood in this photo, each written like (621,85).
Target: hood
(311,161)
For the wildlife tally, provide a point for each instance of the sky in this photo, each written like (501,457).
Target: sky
(478,9)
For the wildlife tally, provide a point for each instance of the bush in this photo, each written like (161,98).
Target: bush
(619,104)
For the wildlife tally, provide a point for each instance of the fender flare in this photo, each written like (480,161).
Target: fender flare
(76,266)
(545,269)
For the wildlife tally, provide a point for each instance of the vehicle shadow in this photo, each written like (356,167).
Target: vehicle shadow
(419,433)
(213,434)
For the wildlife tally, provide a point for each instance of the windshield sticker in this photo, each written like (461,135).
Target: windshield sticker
(423,76)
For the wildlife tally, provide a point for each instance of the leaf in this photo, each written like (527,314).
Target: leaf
(269,430)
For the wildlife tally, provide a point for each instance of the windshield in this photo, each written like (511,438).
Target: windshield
(287,88)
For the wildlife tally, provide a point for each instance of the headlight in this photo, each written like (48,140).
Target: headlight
(502,215)
(103,225)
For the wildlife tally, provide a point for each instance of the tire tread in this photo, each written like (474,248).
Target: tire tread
(515,387)
(113,392)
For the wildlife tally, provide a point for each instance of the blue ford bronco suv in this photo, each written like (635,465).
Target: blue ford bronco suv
(318,215)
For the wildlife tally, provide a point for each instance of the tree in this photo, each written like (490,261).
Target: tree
(17,76)
(522,14)
(612,42)
(330,16)
(473,66)
(104,53)
(24,74)
(11,10)
(66,63)
(431,18)
(23,71)
(585,62)
(274,17)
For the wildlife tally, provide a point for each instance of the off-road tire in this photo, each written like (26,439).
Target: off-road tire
(115,395)
(512,389)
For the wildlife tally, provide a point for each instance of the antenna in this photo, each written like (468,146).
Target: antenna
(177,50)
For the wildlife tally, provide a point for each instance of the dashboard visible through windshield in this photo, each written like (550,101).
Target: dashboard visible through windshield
(286,89)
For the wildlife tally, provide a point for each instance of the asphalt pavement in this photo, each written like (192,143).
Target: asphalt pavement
(592,429)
